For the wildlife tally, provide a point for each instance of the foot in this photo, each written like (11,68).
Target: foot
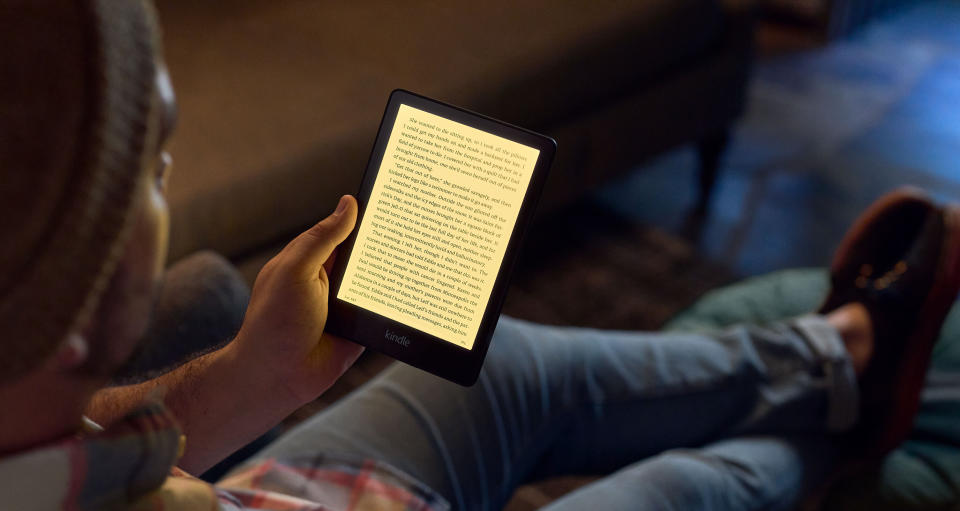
(895,275)
(852,322)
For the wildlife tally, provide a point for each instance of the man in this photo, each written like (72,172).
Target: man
(86,109)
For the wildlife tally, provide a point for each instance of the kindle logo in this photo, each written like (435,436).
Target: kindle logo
(402,340)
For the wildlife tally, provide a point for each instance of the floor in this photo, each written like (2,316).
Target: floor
(826,131)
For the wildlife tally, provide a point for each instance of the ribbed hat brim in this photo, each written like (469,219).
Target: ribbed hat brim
(56,280)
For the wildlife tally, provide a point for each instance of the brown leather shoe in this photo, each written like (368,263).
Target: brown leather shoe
(901,260)
(878,239)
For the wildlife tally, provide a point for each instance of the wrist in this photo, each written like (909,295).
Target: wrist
(225,386)
(259,377)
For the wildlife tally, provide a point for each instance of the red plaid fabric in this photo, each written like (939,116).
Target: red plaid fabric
(326,482)
(130,466)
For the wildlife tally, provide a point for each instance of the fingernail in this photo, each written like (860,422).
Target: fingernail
(341,206)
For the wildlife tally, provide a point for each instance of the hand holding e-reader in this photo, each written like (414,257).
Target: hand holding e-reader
(443,205)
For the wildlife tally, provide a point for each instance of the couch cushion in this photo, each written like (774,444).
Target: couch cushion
(924,473)
(280,100)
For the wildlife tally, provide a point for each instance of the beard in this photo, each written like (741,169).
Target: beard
(196,307)
(131,370)
(119,337)
(136,367)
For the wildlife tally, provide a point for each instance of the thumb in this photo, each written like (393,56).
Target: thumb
(310,249)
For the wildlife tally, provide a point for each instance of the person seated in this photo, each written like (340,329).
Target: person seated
(749,418)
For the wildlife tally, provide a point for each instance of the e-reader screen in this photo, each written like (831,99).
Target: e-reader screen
(437,223)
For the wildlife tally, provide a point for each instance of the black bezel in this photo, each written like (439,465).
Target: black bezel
(426,351)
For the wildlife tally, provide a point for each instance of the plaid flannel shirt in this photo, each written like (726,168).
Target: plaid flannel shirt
(130,466)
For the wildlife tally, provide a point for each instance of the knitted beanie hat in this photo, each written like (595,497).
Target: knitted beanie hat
(78,129)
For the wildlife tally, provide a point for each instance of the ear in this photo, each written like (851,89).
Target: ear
(72,353)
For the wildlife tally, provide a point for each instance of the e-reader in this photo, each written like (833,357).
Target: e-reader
(443,206)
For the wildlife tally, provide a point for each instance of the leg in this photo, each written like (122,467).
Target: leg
(744,473)
(711,149)
(553,400)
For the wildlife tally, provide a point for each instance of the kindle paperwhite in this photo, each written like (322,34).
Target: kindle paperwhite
(444,203)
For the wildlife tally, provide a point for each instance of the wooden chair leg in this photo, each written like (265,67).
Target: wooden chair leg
(711,151)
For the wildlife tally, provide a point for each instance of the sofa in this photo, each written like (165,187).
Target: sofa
(280,101)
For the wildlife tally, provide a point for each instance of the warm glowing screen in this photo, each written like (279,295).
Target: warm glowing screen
(437,225)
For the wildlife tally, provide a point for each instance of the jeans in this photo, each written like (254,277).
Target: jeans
(735,420)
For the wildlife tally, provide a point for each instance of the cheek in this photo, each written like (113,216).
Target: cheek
(142,267)
(160,225)
(127,304)
(147,247)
